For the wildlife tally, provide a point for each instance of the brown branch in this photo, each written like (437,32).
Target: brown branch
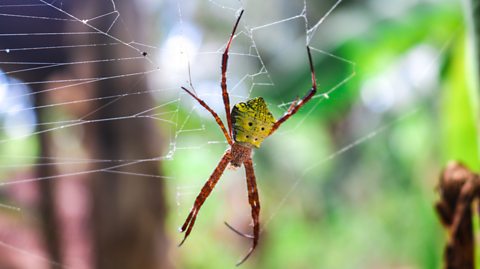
(458,188)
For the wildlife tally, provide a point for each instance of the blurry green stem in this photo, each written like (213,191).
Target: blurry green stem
(474,25)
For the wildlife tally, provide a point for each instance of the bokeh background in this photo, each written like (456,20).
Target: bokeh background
(102,155)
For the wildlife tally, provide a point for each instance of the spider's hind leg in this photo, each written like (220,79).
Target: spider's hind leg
(255,205)
(204,193)
(237,231)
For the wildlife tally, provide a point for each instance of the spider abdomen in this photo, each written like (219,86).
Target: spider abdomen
(252,122)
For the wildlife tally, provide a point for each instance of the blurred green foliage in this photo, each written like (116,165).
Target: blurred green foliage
(343,185)
(348,182)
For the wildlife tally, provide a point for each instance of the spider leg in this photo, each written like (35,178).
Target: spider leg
(223,84)
(214,114)
(204,193)
(292,105)
(297,104)
(237,231)
(255,205)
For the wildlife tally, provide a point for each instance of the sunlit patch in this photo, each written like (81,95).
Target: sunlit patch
(412,75)
(3,93)
(377,95)
(180,47)
(19,123)
(17,120)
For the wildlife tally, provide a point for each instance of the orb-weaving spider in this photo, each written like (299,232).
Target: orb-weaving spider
(249,124)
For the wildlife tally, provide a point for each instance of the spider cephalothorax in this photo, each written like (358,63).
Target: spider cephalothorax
(249,123)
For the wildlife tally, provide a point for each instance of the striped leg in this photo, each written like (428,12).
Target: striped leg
(223,84)
(297,104)
(204,193)
(255,205)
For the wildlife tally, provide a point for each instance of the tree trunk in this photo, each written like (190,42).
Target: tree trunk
(127,208)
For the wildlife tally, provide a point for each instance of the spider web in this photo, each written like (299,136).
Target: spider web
(269,45)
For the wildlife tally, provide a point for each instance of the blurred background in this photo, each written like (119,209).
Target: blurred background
(102,154)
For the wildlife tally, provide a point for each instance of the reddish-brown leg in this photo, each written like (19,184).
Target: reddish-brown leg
(237,231)
(254,204)
(223,84)
(297,104)
(214,114)
(204,193)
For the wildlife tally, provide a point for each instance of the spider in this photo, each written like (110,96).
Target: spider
(249,123)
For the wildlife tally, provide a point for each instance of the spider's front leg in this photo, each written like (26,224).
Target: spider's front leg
(214,114)
(204,193)
(297,104)
(223,83)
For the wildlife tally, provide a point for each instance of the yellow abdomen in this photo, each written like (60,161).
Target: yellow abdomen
(252,122)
